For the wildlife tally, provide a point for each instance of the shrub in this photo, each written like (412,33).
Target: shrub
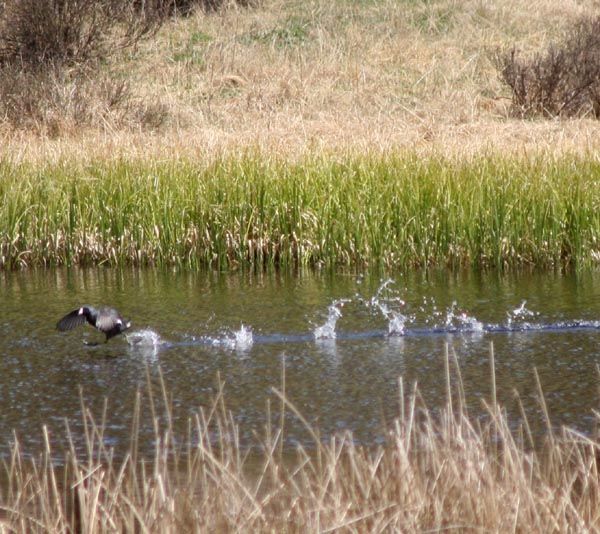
(562,81)
(49,54)
(36,33)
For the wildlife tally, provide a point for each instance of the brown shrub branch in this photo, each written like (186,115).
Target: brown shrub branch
(562,81)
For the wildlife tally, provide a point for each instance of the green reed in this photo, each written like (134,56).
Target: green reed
(392,211)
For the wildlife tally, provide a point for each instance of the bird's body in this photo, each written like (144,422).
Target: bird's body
(107,320)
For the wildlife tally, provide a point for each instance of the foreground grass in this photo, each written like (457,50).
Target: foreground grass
(442,471)
(252,211)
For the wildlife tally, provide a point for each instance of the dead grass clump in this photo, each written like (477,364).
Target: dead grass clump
(564,81)
(437,471)
(55,56)
(56,101)
(53,101)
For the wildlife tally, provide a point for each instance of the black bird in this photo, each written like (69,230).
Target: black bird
(107,320)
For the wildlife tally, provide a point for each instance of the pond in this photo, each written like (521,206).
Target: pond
(344,339)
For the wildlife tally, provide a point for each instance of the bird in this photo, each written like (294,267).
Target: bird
(107,320)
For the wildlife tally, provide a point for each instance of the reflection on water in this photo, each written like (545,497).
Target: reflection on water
(345,341)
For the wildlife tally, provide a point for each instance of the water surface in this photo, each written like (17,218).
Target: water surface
(345,340)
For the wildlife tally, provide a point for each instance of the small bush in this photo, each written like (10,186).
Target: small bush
(36,33)
(50,54)
(562,81)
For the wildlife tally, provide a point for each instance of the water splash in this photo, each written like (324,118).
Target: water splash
(427,320)
(519,315)
(396,320)
(244,339)
(144,338)
(522,310)
(327,330)
(462,321)
(241,339)
(145,341)
(396,325)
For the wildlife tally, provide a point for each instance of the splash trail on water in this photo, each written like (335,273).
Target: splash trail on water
(384,304)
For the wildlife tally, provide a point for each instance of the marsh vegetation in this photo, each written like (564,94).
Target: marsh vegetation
(289,134)
(436,470)
(392,211)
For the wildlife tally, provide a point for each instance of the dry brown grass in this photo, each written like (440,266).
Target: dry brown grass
(295,76)
(444,471)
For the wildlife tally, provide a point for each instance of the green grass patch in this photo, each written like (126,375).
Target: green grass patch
(291,33)
(393,211)
(193,51)
(433,18)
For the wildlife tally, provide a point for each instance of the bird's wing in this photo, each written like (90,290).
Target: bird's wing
(71,320)
(107,321)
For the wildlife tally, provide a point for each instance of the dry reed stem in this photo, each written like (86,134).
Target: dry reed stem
(436,472)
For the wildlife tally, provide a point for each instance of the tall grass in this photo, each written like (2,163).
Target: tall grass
(252,211)
(436,471)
